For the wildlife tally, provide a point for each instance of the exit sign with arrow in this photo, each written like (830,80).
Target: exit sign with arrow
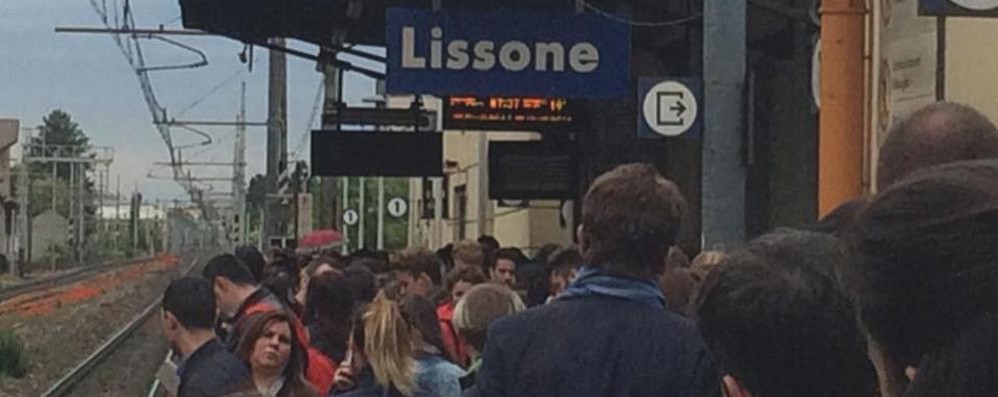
(669,107)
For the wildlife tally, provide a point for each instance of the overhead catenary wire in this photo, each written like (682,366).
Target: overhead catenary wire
(317,103)
(213,90)
(646,24)
(132,50)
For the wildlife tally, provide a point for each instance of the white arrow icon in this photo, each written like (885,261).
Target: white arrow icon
(670,108)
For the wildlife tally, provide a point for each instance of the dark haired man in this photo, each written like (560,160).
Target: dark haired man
(563,265)
(417,272)
(939,133)
(459,282)
(253,259)
(237,294)
(503,270)
(778,324)
(614,336)
(488,243)
(207,368)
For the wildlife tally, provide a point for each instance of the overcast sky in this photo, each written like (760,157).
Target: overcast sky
(87,76)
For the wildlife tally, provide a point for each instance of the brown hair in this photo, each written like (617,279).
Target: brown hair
(630,217)
(470,275)
(337,264)
(705,262)
(677,285)
(383,335)
(295,383)
(677,258)
(939,133)
(479,307)
(421,314)
(417,260)
(468,252)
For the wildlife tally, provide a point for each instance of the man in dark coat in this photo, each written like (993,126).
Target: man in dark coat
(207,368)
(609,333)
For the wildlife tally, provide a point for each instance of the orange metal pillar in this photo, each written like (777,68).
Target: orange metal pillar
(840,139)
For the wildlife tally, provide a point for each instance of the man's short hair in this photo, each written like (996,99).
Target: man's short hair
(939,133)
(783,328)
(543,254)
(511,254)
(482,305)
(229,267)
(630,217)
(362,282)
(470,275)
(253,259)
(927,247)
(488,243)
(374,265)
(469,252)
(192,301)
(417,261)
(563,261)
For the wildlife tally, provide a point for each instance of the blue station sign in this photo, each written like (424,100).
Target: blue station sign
(957,8)
(511,53)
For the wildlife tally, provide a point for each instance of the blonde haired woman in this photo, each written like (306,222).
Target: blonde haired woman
(379,362)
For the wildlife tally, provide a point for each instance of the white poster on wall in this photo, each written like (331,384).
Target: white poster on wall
(908,63)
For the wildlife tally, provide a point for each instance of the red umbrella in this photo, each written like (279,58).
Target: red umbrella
(321,239)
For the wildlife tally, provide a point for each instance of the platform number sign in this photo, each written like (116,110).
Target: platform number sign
(351,217)
(397,207)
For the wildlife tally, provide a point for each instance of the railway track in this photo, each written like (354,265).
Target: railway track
(72,276)
(65,385)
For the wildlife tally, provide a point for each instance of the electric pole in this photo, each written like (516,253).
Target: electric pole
(239,171)
(277,157)
(724,52)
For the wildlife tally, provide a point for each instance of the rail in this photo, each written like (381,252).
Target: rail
(63,386)
(71,276)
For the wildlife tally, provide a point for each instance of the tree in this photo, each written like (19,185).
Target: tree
(58,128)
(256,193)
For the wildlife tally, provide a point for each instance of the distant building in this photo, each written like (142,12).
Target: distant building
(49,231)
(9,130)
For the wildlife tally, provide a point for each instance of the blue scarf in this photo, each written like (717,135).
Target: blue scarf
(594,282)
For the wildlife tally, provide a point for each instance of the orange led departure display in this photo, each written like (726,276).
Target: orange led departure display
(509,114)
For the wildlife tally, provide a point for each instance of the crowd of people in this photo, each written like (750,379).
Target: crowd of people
(890,295)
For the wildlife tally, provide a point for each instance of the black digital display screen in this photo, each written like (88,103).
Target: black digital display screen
(373,153)
(532,171)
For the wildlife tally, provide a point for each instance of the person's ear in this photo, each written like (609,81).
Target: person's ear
(222,285)
(911,373)
(581,236)
(732,388)
(170,322)
(425,279)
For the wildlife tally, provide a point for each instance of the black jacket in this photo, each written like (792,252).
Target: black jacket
(595,346)
(211,371)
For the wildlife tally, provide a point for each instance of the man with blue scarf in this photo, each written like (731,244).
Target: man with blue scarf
(609,334)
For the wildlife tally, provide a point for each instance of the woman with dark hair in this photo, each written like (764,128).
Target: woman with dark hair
(927,247)
(435,374)
(271,350)
(328,307)
(282,285)
(314,268)
(379,362)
